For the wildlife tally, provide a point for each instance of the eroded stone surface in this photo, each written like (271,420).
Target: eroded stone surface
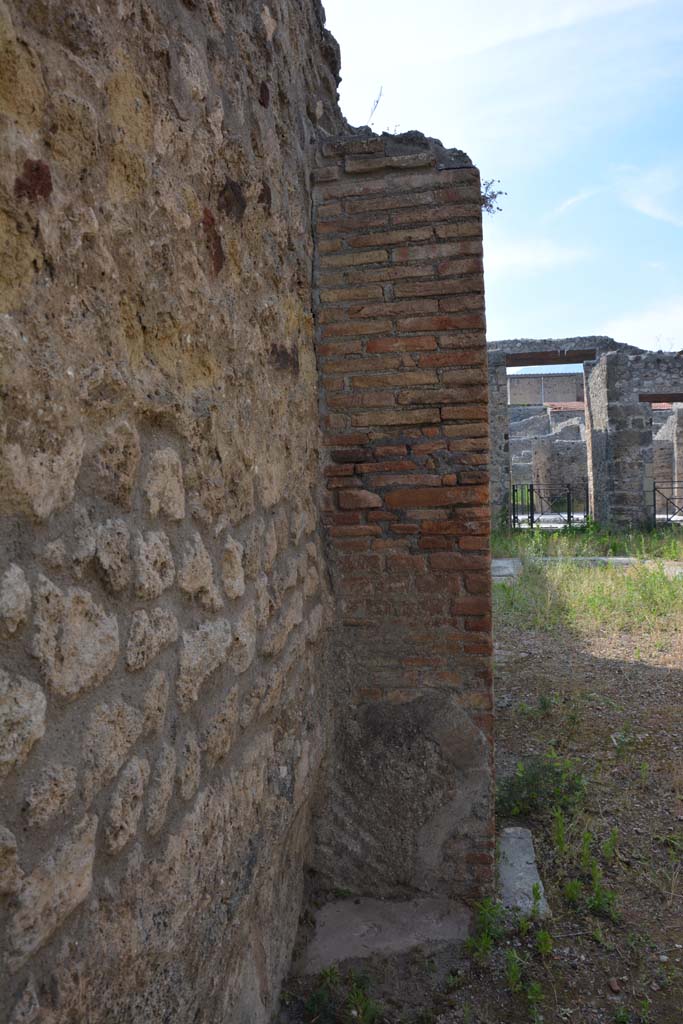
(111,732)
(10,872)
(189,767)
(113,553)
(15,598)
(50,794)
(154,567)
(195,575)
(76,642)
(126,804)
(203,650)
(279,630)
(164,485)
(160,789)
(149,633)
(52,891)
(222,729)
(22,719)
(244,641)
(117,462)
(154,705)
(232,569)
(39,481)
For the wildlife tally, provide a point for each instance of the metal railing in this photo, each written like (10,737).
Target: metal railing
(533,506)
(667,503)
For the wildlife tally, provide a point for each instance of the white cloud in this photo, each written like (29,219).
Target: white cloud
(505,258)
(656,192)
(660,327)
(580,197)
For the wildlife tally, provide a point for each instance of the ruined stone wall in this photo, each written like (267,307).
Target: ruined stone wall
(161,706)
(408,802)
(538,388)
(619,432)
(558,464)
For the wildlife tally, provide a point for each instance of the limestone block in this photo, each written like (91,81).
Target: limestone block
(50,794)
(54,554)
(76,642)
(10,872)
(203,650)
(22,719)
(221,731)
(154,705)
(315,624)
(164,485)
(154,567)
(195,576)
(38,480)
(189,768)
(113,553)
(84,537)
(298,523)
(232,568)
(279,630)
(160,789)
(264,601)
(269,546)
(284,578)
(252,550)
(111,732)
(126,805)
(149,633)
(52,891)
(312,582)
(244,641)
(116,463)
(15,598)
(27,1009)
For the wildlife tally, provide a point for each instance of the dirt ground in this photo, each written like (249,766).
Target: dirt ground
(613,705)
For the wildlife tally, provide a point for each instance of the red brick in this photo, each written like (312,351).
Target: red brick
(406,563)
(433,214)
(401,345)
(477,605)
(359,499)
(393,380)
(344,470)
(385,238)
(460,229)
(397,466)
(476,543)
(377,516)
(409,479)
(465,412)
(470,476)
(355,531)
(389,202)
(357,327)
(368,291)
(477,584)
(394,417)
(441,396)
(442,323)
(353,259)
(405,528)
(434,544)
(365,365)
(461,357)
(472,283)
(461,303)
(341,518)
(345,224)
(347,455)
(449,480)
(339,348)
(345,439)
(417,497)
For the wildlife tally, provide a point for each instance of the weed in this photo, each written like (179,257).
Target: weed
(536,894)
(523,925)
(360,1008)
(559,831)
(622,1016)
(644,774)
(609,847)
(514,965)
(454,981)
(489,927)
(541,783)
(586,859)
(535,996)
(572,892)
(544,943)
(479,947)
(644,1008)
(623,741)
(602,902)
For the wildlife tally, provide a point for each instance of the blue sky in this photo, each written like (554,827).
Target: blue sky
(577,107)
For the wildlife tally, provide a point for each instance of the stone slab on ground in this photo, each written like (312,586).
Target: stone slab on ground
(510,568)
(518,872)
(505,568)
(358,928)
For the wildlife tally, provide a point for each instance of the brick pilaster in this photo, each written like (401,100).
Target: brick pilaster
(402,359)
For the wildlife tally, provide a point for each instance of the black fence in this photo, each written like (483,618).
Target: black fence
(532,506)
(667,503)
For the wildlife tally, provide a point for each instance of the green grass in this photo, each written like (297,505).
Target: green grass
(561,595)
(665,543)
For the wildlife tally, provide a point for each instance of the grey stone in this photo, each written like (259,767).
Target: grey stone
(154,567)
(164,485)
(22,719)
(232,569)
(189,767)
(203,650)
(15,598)
(116,463)
(113,553)
(10,872)
(160,789)
(518,873)
(111,732)
(149,634)
(195,576)
(50,794)
(52,891)
(126,804)
(361,928)
(76,642)
(154,704)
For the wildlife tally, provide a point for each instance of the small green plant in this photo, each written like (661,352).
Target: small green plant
(514,967)
(360,1008)
(560,831)
(536,894)
(572,892)
(644,774)
(523,925)
(489,928)
(623,741)
(586,859)
(454,981)
(539,784)
(609,847)
(622,1016)
(602,902)
(535,996)
(544,943)
(644,1008)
